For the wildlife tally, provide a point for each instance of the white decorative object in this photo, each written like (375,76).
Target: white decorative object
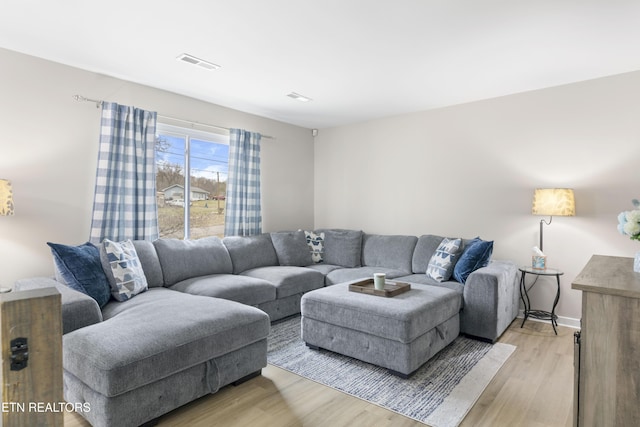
(128,275)
(378,281)
(444,259)
(316,245)
(629,225)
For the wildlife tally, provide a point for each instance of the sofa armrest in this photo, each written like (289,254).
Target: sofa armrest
(491,300)
(78,310)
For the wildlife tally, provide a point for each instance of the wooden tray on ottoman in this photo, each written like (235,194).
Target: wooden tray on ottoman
(391,288)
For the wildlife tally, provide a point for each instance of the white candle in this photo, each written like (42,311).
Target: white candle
(378,281)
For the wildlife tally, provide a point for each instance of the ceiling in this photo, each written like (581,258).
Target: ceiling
(357,59)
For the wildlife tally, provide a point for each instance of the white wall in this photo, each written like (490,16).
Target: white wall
(48,149)
(461,171)
(471,170)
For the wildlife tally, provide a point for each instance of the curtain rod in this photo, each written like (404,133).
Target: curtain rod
(99,102)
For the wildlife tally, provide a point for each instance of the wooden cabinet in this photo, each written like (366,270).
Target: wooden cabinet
(31,363)
(608,350)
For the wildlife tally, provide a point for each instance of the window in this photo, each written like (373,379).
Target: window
(191,181)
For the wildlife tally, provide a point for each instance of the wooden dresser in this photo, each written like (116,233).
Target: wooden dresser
(607,389)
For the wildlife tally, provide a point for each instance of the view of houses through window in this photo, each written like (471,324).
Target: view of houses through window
(191,181)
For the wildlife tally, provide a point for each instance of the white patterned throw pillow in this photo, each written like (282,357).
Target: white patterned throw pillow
(444,259)
(316,244)
(126,268)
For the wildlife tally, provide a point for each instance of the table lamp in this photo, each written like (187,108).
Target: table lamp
(6,198)
(552,201)
(6,208)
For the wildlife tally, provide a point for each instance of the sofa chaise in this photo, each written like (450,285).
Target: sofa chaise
(201,320)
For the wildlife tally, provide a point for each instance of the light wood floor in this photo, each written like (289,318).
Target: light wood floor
(534,388)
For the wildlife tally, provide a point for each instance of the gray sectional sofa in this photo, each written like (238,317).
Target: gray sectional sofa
(203,321)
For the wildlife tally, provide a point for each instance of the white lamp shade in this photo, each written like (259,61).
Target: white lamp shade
(553,201)
(6,198)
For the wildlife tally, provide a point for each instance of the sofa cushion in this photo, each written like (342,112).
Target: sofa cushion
(324,268)
(183,259)
(288,280)
(242,289)
(315,241)
(156,334)
(343,247)
(150,263)
(425,248)
(444,259)
(475,255)
(394,252)
(249,252)
(342,275)
(78,309)
(124,270)
(291,248)
(79,268)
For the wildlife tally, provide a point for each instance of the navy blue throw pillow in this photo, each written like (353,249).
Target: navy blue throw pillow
(475,256)
(80,268)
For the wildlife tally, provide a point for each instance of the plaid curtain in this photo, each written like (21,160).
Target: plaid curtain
(124,205)
(243,211)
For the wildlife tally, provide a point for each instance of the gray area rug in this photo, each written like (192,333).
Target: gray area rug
(439,394)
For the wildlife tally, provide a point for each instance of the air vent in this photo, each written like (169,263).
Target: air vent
(190,59)
(299,97)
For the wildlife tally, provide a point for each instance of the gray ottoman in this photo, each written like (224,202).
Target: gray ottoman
(399,333)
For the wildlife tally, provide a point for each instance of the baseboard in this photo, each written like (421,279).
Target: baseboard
(562,321)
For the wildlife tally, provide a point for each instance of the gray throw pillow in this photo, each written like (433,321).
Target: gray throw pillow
(291,248)
(125,273)
(343,248)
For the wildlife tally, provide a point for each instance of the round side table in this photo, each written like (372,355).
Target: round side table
(539,314)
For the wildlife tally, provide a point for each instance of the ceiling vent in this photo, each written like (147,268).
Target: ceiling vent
(190,59)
